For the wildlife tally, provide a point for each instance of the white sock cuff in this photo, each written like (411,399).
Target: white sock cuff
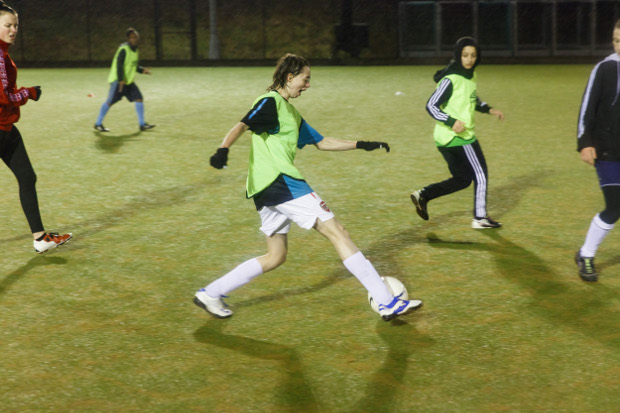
(602,224)
(253,266)
(354,260)
(241,275)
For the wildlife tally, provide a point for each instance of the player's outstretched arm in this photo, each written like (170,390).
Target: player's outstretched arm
(220,158)
(497,113)
(333,144)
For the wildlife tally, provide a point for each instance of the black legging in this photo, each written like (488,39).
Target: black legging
(13,153)
(611,213)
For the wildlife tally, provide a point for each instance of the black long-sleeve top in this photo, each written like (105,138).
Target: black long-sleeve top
(599,116)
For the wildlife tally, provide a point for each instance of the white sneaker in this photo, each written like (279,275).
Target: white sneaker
(397,308)
(214,306)
(50,241)
(484,223)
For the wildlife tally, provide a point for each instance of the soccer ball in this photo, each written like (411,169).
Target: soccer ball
(395,287)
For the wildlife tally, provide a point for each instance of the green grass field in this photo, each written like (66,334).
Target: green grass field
(106,323)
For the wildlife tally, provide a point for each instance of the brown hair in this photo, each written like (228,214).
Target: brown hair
(617,25)
(289,63)
(6,9)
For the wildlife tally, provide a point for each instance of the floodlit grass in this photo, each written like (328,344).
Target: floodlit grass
(106,323)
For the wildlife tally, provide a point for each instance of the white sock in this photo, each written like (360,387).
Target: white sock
(241,275)
(596,234)
(364,271)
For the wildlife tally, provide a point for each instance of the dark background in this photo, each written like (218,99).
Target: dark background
(87,32)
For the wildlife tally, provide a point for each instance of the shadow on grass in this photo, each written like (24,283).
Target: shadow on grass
(589,313)
(601,266)
(37,261)
(386,249)
(295,393)
(403,340)
(151,200)
(112,143)
(335,277)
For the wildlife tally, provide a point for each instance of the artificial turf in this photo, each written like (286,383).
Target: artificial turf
(106,323)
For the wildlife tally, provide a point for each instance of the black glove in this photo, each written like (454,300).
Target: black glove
(38,89)
(219,159)
(371,146)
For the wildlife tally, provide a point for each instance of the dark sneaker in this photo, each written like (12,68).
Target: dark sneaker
(587,271)
(101,128)
(146,126)
(484,223)
(50,241)
(420,204)
(214,306)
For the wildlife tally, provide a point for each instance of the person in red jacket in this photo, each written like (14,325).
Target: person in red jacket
(12,149)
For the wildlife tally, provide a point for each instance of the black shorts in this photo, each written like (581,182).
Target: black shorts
(131,92)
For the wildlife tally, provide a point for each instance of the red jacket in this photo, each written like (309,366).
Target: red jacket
(11,98)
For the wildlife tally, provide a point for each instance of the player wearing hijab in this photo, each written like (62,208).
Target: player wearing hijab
(453,105)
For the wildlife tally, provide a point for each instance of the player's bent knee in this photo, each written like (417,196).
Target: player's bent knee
(464,183)
(273,260)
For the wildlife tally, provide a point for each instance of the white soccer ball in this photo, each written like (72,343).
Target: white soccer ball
(395,287)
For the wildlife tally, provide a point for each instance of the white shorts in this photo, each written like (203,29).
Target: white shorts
(304,211)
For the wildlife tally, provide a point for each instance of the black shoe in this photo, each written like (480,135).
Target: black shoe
(420,204)
(101,128)
(146,126)
(483,223)
(587,271)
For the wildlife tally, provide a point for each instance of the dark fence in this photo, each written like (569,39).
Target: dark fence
(87,32)
(510,28)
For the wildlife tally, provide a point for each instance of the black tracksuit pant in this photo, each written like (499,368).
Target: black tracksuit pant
(466,164)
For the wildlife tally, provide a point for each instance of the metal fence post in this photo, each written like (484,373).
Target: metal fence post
(157,25)
(214,43)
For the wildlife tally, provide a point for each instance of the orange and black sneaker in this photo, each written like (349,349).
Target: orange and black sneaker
(50,241)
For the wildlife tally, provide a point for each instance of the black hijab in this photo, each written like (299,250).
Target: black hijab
(455,66)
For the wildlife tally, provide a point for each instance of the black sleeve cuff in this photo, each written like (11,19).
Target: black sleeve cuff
(484,108)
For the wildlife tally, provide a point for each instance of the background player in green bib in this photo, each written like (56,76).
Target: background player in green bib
(453,105)
(282,196)
(121,79)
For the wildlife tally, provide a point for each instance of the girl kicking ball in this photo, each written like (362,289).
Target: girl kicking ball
(282,196)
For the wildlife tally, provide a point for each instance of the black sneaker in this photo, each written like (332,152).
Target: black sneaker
(420,204)
(587,271)
(146,126)
(484,223)
(101,128)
